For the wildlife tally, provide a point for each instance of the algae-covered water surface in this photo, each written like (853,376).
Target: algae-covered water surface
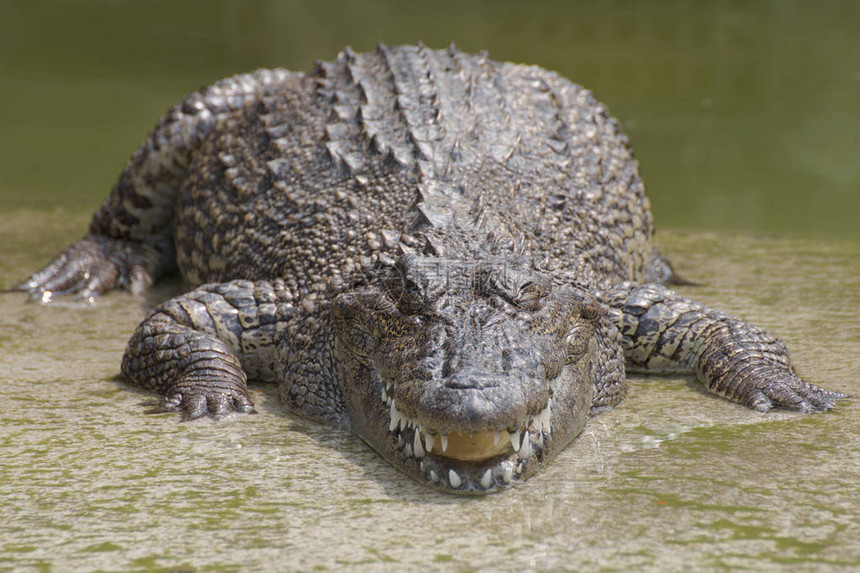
(744,117)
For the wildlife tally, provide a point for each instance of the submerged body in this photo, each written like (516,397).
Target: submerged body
(449,255)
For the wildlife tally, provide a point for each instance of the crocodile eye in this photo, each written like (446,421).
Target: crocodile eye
(578,339)
(409,299)
(519,289)
(404,293)
(350,312)
(577,344)
(531,293)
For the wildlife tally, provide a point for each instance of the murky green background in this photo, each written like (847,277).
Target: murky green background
(745,117)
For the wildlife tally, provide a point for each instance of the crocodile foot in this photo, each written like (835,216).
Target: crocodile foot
(93,266)
(781,388)
(200,401)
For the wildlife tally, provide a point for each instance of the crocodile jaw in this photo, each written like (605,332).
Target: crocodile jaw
(484,462)
(471,463)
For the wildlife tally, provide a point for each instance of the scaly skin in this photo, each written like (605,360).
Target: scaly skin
(665,332)
(449,255)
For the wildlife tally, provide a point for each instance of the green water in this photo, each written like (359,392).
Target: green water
(745,118)
(744,114)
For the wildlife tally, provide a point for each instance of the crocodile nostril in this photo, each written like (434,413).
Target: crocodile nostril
(472,382)
(447,365)
(512,361)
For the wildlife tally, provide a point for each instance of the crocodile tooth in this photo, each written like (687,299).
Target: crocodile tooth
(515,440)
(526,448)
(497,438)
(422,466)
(540,440)
(508,474)
(429,440)
(444,439)
(487,479)
(547,419)
(433,477)
(419,451)
(408,451)
(395,417)
(454,479)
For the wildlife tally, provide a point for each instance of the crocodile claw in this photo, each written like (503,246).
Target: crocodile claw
(201,403)
(90,267)
(783,389)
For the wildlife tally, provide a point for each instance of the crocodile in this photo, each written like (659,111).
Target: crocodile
(448,255)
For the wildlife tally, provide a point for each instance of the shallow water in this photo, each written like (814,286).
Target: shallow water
(744,116)
(671,480)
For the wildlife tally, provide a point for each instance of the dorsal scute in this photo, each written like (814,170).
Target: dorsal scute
(487,147)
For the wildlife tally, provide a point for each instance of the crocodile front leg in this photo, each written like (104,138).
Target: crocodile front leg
(130,239)
(198,350)
(665,332)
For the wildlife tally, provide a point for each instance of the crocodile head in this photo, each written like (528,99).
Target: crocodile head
(465,375)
